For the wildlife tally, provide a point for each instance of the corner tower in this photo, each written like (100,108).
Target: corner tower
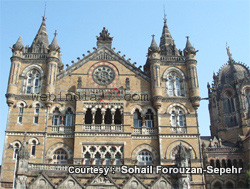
(229,101)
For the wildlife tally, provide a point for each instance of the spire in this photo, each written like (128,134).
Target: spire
(104,40)
(189,49)
(18,45)
(54,45)
(154,47)
(41,41)
(167,44)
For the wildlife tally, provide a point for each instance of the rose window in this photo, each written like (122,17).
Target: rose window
(103,75)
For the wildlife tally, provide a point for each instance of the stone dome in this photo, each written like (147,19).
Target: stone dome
(229,71)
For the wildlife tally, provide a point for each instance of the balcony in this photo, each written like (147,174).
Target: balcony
(103,128)
(61,129)
(145,130)
(179,130)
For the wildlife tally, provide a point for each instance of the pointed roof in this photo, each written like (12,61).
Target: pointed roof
(189,49)
(41,40)
(18,45)
(54,45)
(154,47)
(167,44)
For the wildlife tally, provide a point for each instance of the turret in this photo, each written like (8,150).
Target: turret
(191,62)
(16,59)
(154,62)
(53,63)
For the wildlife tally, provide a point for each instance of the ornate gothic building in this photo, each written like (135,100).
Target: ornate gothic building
(104,111)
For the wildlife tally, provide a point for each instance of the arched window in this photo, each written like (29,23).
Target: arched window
(229,185)
(177,86)
(87,159)
(177,117)
(118,117)
(217,163)
(108,117)
(97,159)
(33,82)
(98,116)
(181,119)
(149,119)
(36,117)
(229,163)
(88,116)
(235,164)
(137,119)
(118,159)
(69,117)
(217,185)
(56,117)
(174,84)
(170,86)
(212,162)
(16,150)
(60,157)
(20,113)
(145,158)
(224,163)
(33,148)
(173,119)
(107,159)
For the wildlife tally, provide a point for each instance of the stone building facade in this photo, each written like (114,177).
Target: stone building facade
(102,111)
(229,115)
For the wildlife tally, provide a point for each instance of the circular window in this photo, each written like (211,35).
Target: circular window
(103,75)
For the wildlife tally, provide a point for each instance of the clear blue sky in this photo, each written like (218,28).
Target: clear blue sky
(210,24)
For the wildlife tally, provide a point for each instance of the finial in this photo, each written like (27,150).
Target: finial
(187,37)
(44,15)
(153,36)
(165,19)
(55,34)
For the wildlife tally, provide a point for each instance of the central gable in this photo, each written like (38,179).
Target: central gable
(103,54)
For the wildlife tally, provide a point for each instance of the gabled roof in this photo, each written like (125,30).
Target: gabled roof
(103,54)
(157,183)
(43,176)
(101,180)
(134,178)
(64,183)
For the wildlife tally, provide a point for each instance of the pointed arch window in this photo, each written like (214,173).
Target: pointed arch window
(69,117)
(16,150)
(177,117)
(56,117)
(177,86)
(145,158)
(60,157)
(149,119)
(20,113)
(97,159)
(137,119)
(33,82)
(107,159)
(87,159)
(33,148)
(118,159)
(174,85)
